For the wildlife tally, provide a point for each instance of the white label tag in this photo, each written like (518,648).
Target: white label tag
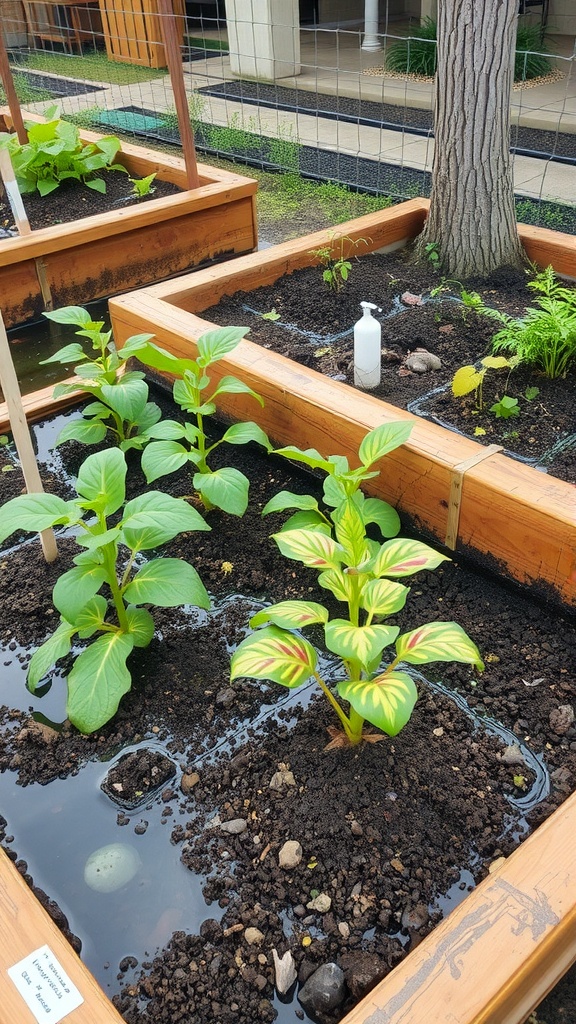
(44,986)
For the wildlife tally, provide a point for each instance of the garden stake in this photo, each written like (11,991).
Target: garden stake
(13,193)
(19,426)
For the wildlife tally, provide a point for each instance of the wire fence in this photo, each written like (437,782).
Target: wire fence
(324,102)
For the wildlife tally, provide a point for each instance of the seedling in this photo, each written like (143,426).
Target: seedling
(531,393)
(114,622)
(272,315)
(505,408)
(471,378)
(337,265)
(121,403)
(174,445)
(55,152)
(142,187)
(432,253)
(362,574)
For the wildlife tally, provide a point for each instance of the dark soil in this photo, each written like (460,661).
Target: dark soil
(419,311)
(73,200)
(384,829)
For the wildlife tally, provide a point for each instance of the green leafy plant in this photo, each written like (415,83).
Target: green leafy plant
(545,338)
(336,261)
(362,574)
(142,187)
(432,254)
(272,315)
(174,445)
(531,393)
(55,153)
(505,408)
(114,621)
(471,378)
(531,58)
(121,403)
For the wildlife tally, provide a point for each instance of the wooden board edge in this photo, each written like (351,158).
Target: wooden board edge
(501,951)
(25,928)
(39,404)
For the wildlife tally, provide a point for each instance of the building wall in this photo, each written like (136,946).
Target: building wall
(562,17)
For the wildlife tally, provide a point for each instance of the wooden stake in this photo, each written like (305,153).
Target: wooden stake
(13,193)
(174,61)
(13,101)
(19,426)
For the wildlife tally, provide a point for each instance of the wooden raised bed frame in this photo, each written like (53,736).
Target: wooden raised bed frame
(499,953)
(469,497)
(72,263)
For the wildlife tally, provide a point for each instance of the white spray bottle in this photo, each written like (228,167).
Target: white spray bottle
(367,348)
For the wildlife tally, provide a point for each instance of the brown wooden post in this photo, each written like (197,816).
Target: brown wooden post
(174,61)
(13,101)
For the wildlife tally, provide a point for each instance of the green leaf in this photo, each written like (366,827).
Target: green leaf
(91,617)
(310,457)
(363,643)
(438,641)
(75,315)
(75,588)
(155,518)
(98,681)
(233,386)
(242,433)
(141,625)
(383,597)
(291,614)
(102,481)
(387,701)
(127,399)
(339,584)
(94,540)
(34,513)
(311,547)
(69,354)
(274,654)
(156,357)
(216,344)
(350,531)
(402,557)
(166,430)
(374,510)
(383,439)
(167,582)
(495,362)
(307,520)
(55,647)
(160,458)
(133,345)
(287,499)
(85,431)
(226,488)
(465,380)
(334,491)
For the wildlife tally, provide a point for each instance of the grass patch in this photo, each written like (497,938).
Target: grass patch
(93,65)
(25,92)
(205,44)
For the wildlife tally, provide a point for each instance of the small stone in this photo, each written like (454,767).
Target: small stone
(235,827)
(253,936)
(344,929)
(362,971)
(282,780)
(356,828)
(325,989)
(140,828)
(226,696)
(438,732)
(562,719)
(188,781)
(422,362)
(284,971)
(321,903)
(397,865)
(415,917)
(512,755)
(290,854)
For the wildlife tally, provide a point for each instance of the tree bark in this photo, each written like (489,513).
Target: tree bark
(472,220)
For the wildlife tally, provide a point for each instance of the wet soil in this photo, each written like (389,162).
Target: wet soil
(73,200)
(385,829)
(313,326)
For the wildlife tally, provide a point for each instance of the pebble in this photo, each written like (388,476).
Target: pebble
(188,781)
(562,719)
(415,917)
(321,903)
(422,362)
(362,971)
(234,827)
(512,755)
(282,779)
(325,989)
(290,854)
(344,929)
(284,971)
(253,936)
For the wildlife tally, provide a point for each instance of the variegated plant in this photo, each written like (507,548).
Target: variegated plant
(363,574)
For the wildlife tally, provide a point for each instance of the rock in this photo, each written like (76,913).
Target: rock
(38,732)
(284,971)
(562,719)
(235,827)
(321,903)
(362,971)
(356,828)
(253,936)
(290,854)
(282,779)
(512,755)
(410,299)
(415,917)
(422,362)
(188,781)
(325,989)
(344,929)
(226,696)
(397,865)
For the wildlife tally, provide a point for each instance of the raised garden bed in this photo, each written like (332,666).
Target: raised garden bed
(474,499)
(111,252)
(386,892)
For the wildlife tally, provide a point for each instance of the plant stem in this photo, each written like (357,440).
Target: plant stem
(346,724)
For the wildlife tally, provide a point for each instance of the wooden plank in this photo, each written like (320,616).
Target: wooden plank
(501,951)
(40,403)
(509,511)
(25,928)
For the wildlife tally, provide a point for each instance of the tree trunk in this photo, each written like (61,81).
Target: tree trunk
(472,221)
